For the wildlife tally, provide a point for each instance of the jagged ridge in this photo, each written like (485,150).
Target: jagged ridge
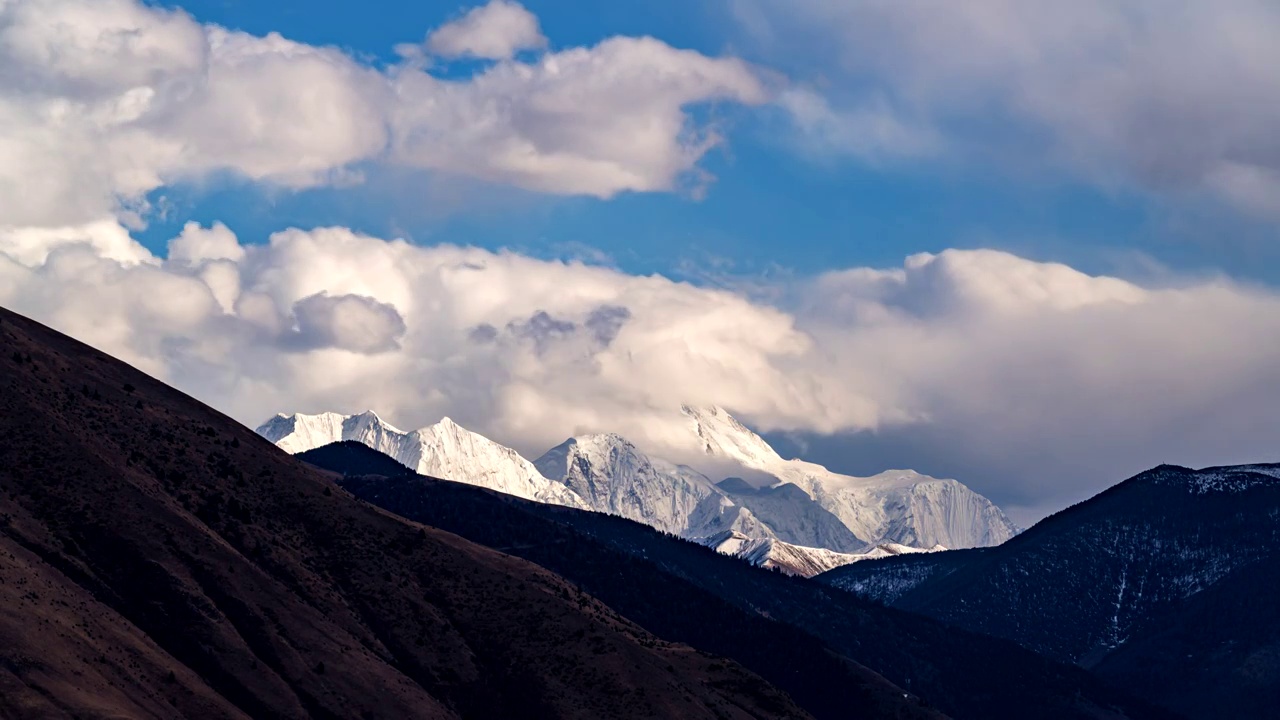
(895,506)
(806,505)
(444,449)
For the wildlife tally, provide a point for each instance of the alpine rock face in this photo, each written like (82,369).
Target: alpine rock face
(612,476)
(794,516)
(445,450)
(896,506)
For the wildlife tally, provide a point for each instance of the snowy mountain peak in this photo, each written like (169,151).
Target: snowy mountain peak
(452,431)
(801,503)
(895,506)
(722,436)
(598,453)
(297,432)
(603,441)
(612,475)
(445,449)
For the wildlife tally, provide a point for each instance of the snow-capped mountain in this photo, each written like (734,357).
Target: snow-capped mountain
(794,516)
(717,513)
(798,559)
(612,476)
(898,506)
(806,506)
(445,450)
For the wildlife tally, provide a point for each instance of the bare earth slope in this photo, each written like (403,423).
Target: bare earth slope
(158,559)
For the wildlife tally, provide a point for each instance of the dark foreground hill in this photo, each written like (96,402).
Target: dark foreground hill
(159,560)
(822,681)
(784,628)
(1166,584)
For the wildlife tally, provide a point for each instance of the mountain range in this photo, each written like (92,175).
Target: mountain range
(1164,584)
(806,518)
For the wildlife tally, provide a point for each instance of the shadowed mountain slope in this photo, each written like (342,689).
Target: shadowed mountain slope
(824,683)
(684,591)
(158,559)
(1165,583)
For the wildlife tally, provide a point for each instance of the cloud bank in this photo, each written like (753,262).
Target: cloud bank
(1045,382)
(1171,97)
(103,101)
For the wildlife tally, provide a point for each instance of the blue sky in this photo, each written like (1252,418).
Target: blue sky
(770,207)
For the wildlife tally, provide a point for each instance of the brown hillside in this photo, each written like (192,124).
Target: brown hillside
(158,559)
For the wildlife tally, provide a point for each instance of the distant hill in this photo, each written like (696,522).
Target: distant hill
(786,629)
(1164,584)
(348,457)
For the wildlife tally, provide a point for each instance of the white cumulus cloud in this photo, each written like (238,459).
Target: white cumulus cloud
(1172,97)
(591,121)
(104,101)
(496,31)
